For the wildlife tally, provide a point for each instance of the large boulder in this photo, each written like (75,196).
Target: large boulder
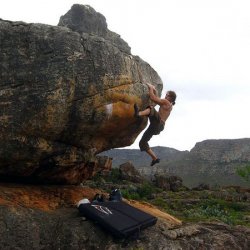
(130,173)
(168,182)
(67,94)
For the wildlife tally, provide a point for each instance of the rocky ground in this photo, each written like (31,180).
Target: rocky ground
(45,217)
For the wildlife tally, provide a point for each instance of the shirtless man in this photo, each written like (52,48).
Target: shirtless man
(157,119)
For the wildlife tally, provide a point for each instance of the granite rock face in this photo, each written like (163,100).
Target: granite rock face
(168,183)
(212,162)
(223,150)
(130,173)
(66,94)
(84,19)
(215,161)
(64,229)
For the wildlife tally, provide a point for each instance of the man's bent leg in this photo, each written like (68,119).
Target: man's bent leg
(143,143)
(144,112)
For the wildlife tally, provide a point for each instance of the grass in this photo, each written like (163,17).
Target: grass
(205,208)
(141,192)
(189,206)
(231,213)
(212,210)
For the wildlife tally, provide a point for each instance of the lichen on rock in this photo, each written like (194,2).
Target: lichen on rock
(66,94)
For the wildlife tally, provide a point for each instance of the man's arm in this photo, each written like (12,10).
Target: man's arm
(154,97)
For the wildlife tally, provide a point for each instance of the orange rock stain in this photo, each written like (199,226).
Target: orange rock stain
(47,198)
(50,198)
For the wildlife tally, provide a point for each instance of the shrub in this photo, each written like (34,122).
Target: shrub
(227,212)
(161,203)
(130,194)
(244,172)
(143,192)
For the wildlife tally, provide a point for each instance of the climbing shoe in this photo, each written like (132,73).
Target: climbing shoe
(155,161)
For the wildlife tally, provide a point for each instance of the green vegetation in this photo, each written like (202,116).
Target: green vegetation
(229,205)
(244,172)
(193,206)
(161,203)
(141,192)
(227,212)
(211,209)
(114,177)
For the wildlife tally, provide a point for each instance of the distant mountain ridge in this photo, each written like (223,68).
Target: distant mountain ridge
(213,162)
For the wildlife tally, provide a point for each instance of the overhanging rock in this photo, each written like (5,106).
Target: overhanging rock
(66,94)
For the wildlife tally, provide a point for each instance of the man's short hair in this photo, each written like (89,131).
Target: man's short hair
(172,95)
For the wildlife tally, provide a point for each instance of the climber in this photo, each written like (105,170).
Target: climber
(157,119)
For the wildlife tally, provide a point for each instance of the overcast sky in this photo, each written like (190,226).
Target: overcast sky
(200,49)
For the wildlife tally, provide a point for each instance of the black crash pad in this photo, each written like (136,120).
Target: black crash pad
(117,217)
